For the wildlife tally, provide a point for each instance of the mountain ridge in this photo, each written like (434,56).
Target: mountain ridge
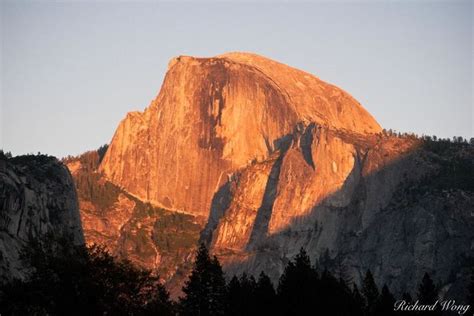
(264,167)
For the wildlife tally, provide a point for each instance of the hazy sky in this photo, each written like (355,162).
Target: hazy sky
(71,71)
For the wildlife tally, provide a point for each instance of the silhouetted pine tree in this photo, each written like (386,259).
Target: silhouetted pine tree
(334,297)
(205,290)
(358,307)
(265,296)
(234,300)
(248,285)
(241,295)
(297,286)
(218,293)
(370,292)
(385,302)
(428,293)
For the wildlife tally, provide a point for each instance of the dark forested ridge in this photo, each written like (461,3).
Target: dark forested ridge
(82,280)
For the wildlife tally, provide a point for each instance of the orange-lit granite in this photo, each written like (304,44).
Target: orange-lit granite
(258,159)
(213,116)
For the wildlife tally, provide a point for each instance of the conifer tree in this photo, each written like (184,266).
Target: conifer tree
(248,283)
(370,292)
(218,288)
(333,296)
(428,293)
(386,302)
(234,296)
(265,296)
(358,307)
(242,298)
(205,290)
(297,286)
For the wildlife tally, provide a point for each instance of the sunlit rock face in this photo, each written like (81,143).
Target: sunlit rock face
(37,197)
(274,159)
(214,116)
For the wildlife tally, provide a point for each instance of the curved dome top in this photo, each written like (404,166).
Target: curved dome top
(312,98)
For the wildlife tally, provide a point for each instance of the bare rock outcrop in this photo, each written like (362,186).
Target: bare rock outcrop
(37,197)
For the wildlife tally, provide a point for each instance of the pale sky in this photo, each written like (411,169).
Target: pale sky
(70,71)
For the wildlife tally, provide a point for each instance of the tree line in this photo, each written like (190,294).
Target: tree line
(80,280)
(427,138)
(67,279)
(302,289)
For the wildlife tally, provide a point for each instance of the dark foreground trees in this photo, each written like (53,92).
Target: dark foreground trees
(247,296)
(302,290)
(370,292)
(428,294)
(76,280)
(205,291)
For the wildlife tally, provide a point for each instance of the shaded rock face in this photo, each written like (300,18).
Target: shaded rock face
(212,117)
(37,197)
(373,202)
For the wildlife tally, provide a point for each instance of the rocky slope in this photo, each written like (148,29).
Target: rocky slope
(270,159)
(37,197)
(149,236)
(388,204)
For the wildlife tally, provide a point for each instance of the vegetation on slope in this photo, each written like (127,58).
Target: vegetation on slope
(149,228)
(76,280)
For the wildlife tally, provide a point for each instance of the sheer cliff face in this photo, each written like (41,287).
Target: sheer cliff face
(37,196)
(272,159)
(212,117)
